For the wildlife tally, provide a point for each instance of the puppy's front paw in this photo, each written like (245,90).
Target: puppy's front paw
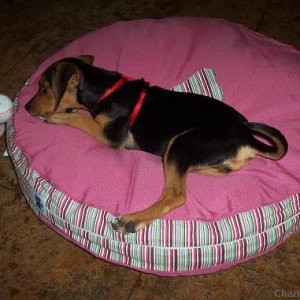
(126,226)
(54,118)
(61,118)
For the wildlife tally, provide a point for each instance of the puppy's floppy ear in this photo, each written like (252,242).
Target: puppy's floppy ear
(88,59)
(65,77)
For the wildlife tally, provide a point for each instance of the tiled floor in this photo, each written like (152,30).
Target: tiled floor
(35,262)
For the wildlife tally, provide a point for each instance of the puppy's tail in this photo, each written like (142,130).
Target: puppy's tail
(279,145)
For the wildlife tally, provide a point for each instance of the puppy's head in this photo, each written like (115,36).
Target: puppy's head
(58,87)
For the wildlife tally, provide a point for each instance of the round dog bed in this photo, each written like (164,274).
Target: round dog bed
(77,186)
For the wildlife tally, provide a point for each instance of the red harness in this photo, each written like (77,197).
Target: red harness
(138,104)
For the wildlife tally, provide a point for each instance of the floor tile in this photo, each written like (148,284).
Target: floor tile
(282,21)
(278,263)
(234,283)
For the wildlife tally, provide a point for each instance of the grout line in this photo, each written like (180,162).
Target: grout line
(28,53)
(2,186)
(258,27)
(267,274)
(134,286)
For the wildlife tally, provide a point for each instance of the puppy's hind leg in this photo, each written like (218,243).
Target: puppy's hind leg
(173,194)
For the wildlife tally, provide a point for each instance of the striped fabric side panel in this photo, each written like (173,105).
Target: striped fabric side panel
(202,82)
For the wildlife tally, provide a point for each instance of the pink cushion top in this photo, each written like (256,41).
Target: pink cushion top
(259,77)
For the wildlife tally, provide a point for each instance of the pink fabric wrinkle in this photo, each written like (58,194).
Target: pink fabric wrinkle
(118,62)
(130,189)
(198,203)
(264,172)
(182,70)
(267,190)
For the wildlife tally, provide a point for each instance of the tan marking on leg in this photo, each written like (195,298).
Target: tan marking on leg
(102,120)
(173,196)
(129,142)
(93,127)
(213,170)
(244,154)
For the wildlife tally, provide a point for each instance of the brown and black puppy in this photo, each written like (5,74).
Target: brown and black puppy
(190,132)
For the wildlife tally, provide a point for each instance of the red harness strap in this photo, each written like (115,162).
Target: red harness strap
(109,91)
(137,107)
(138,104)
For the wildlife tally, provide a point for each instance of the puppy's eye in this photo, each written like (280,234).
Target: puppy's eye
(43,89)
